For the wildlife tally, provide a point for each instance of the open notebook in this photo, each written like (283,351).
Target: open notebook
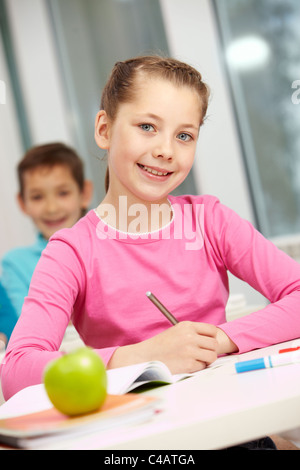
(125,379)
(155,373)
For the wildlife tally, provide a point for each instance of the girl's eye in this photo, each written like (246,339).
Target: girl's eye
(185,137)
(147,127)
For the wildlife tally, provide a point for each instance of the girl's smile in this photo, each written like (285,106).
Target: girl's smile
(159,174)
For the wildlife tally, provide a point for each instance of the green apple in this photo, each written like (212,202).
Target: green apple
(76,383)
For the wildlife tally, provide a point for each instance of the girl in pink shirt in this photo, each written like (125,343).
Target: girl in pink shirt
(142,239)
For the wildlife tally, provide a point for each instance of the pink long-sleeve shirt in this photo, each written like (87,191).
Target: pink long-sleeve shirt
(98,277)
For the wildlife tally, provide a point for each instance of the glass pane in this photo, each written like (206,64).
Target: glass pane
(91,36)
(261,51)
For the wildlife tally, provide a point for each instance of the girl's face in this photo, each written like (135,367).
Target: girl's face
(152,141)
(52,198)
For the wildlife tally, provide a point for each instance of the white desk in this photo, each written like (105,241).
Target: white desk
(215,409)
(219,408)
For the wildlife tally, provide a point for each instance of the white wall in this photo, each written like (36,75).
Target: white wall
(38,70)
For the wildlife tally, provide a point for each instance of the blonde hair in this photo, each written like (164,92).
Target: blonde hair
(121,85)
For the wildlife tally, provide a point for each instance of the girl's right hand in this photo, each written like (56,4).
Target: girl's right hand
(186,347)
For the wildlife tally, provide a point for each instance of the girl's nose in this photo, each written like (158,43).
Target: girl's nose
(164,149)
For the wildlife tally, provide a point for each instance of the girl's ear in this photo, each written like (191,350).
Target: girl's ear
(102,126)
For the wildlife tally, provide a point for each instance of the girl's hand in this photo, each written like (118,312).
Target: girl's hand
(185,347)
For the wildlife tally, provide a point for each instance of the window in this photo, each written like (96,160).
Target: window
(260,47)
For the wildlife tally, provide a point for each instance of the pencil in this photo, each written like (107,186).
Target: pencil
(162,308)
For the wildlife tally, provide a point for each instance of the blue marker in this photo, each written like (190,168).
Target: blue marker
(268,362)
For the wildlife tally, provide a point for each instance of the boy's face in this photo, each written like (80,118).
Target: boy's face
(52,198)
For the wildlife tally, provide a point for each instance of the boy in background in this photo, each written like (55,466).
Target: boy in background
(54,194)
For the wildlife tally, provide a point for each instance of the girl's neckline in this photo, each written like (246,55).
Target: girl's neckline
(153,235)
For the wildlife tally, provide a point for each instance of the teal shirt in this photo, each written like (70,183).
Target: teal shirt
(8,316)
(17,269)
